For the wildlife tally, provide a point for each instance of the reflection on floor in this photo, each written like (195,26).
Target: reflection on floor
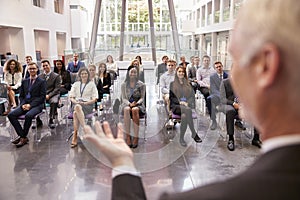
(52,170)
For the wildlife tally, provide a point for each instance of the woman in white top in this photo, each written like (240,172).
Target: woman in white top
(112,67)
(83,95)
(13,78)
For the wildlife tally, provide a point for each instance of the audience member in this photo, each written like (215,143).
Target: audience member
(25,72)
(136,63)
(161,68)
(13,79)
(105,81)
(112,67)
(182,101)
(76,64)
(214,98)
(60,69)
(192,72)
(165,81)
(230,106)
(183,62)
(53,85)
(133,93)
(203,75)
(32,99)
(264,77)
(83,95)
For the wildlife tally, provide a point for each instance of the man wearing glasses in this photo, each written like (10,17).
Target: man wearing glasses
(32,98)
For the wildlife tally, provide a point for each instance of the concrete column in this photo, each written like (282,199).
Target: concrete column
(213,46)
(174,29)
(94,31)
(121,52)
(231,9)
(221,10)
(151,21)
(202,45)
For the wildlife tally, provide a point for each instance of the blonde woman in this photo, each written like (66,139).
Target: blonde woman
(83,96)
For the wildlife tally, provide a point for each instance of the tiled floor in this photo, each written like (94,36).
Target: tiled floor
(52,170)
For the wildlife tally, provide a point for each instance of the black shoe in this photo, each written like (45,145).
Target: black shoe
(230,145)
(182,142)
(16,140)
(213,125)
(256,143)
(240,125)
(51,124)
(60,105)
(197,139)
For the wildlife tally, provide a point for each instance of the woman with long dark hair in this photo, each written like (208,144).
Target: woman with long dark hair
(132,97)
(105,81)
(60,69)
(83,96)
(182,101)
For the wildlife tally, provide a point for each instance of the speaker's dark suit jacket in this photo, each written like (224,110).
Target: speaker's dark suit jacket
(36,99)
(275,175)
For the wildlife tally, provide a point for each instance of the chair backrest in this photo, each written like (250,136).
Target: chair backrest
(3,90)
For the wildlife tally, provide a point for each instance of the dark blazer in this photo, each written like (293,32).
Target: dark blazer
(215,83)
(100,84)
(66,80)
(71,67)
(161,68)
(174,100)
(53,84)
(227,94)
(275,175)
(37,93)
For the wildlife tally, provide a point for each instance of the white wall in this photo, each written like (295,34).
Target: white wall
(22,14)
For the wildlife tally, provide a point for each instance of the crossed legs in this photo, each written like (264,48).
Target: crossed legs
(78,120)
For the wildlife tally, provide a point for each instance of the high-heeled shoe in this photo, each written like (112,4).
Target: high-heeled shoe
(197,138)
(135,143)
(74,140)
(73,145)
(128,140)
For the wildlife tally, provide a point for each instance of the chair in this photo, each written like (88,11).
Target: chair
(70,117)
(143,120)
(177,119)
(34,124)
(3,96)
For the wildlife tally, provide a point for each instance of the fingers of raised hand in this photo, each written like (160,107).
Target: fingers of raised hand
(107,130)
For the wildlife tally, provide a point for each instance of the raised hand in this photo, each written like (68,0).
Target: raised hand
(115,149)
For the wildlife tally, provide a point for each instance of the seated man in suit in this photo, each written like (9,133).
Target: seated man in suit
(265,72)
(214,99)
(161,68)
(32,98)
(203,77)
(74,66)
(53,82)
(230,106)
(165,81)
(191,71)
